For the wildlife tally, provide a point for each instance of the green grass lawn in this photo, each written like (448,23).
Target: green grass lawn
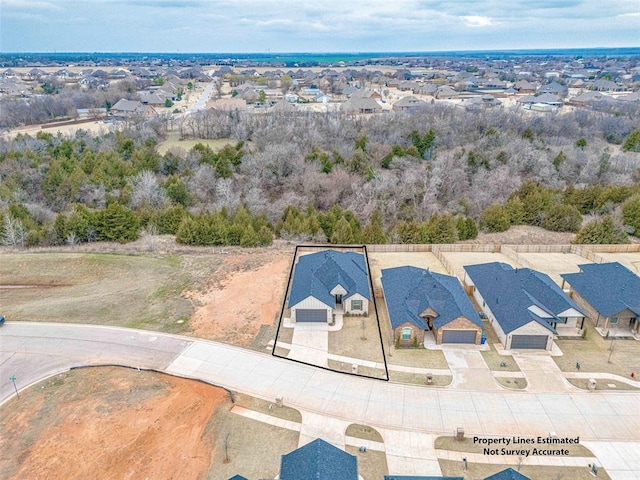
(138,291)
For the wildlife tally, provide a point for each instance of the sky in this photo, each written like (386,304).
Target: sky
(261,26)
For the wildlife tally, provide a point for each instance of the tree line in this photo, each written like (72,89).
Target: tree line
(434,176)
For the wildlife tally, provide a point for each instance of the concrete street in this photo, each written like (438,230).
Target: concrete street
(33,351)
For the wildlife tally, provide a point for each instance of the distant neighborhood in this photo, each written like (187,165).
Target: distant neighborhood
(152,88)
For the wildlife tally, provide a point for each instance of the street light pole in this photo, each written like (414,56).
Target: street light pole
(13,379)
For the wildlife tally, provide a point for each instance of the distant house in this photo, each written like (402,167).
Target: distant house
(129,109)
(419,301)
(524,306)
(329,282)
(445,91)
(554,88)
(318,460)
(409,103)
(609,293)
(361,105)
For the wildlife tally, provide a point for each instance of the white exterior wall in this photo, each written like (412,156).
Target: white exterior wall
(311,303)
(356,296)
(531,328)
(485,308)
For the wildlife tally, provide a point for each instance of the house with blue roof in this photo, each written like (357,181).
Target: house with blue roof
(610,294)
(508,474)
(420,301)
(413,477)
(524,306)
(329,282)
(318,460)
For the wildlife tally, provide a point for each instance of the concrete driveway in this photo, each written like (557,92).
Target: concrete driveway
(310,343)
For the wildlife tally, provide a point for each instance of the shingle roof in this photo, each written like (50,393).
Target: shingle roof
(408,291)
(237,477)
(608,287)
(508,474)
(510,293)
(316,274)
(318,460)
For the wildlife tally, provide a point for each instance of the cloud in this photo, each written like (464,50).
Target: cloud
(29,5)
(477,21)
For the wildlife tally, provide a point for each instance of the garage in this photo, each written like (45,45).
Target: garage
(459,336)
(311,315)
(530,341)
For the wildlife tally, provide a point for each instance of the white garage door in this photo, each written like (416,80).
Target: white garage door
(529,341)
(458,336)
(311,315)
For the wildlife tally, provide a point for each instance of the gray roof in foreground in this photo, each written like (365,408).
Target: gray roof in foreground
(608,287)
(318,460)
(409,290)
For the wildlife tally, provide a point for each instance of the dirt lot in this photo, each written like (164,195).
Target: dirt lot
(242,297)
(109,423)
(233,297)
(380,261)
(553,264)
(524,235)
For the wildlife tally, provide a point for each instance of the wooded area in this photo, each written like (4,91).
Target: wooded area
(434,175)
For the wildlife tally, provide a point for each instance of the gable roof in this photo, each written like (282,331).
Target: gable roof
(508,474)
(409,291)
(237,477)
(515,295)
(316,274)
(125,105)
(607,287)
(318,460)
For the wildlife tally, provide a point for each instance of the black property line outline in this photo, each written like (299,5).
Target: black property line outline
(375,306)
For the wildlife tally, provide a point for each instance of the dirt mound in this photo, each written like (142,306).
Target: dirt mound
(109,423)
(524,235)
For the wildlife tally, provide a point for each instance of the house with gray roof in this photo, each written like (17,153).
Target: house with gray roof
(420,301)
(610,294)
(329,282)
(525,307)
(409,103)
(318,460)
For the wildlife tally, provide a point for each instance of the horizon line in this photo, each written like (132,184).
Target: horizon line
(328,52)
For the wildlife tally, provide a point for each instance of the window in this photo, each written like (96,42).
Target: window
(406,333)
(356,304)
(613,320)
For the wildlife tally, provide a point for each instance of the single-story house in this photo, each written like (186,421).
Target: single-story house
(408,103)
(318,460)
(508,474)
(524,306)
(329,282)
(126,109)
(609,293)
(420,301)
(361,105)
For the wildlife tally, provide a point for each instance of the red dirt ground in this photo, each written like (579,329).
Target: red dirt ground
(110,423)
(245,294)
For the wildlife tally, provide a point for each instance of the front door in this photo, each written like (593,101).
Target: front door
(338,299)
